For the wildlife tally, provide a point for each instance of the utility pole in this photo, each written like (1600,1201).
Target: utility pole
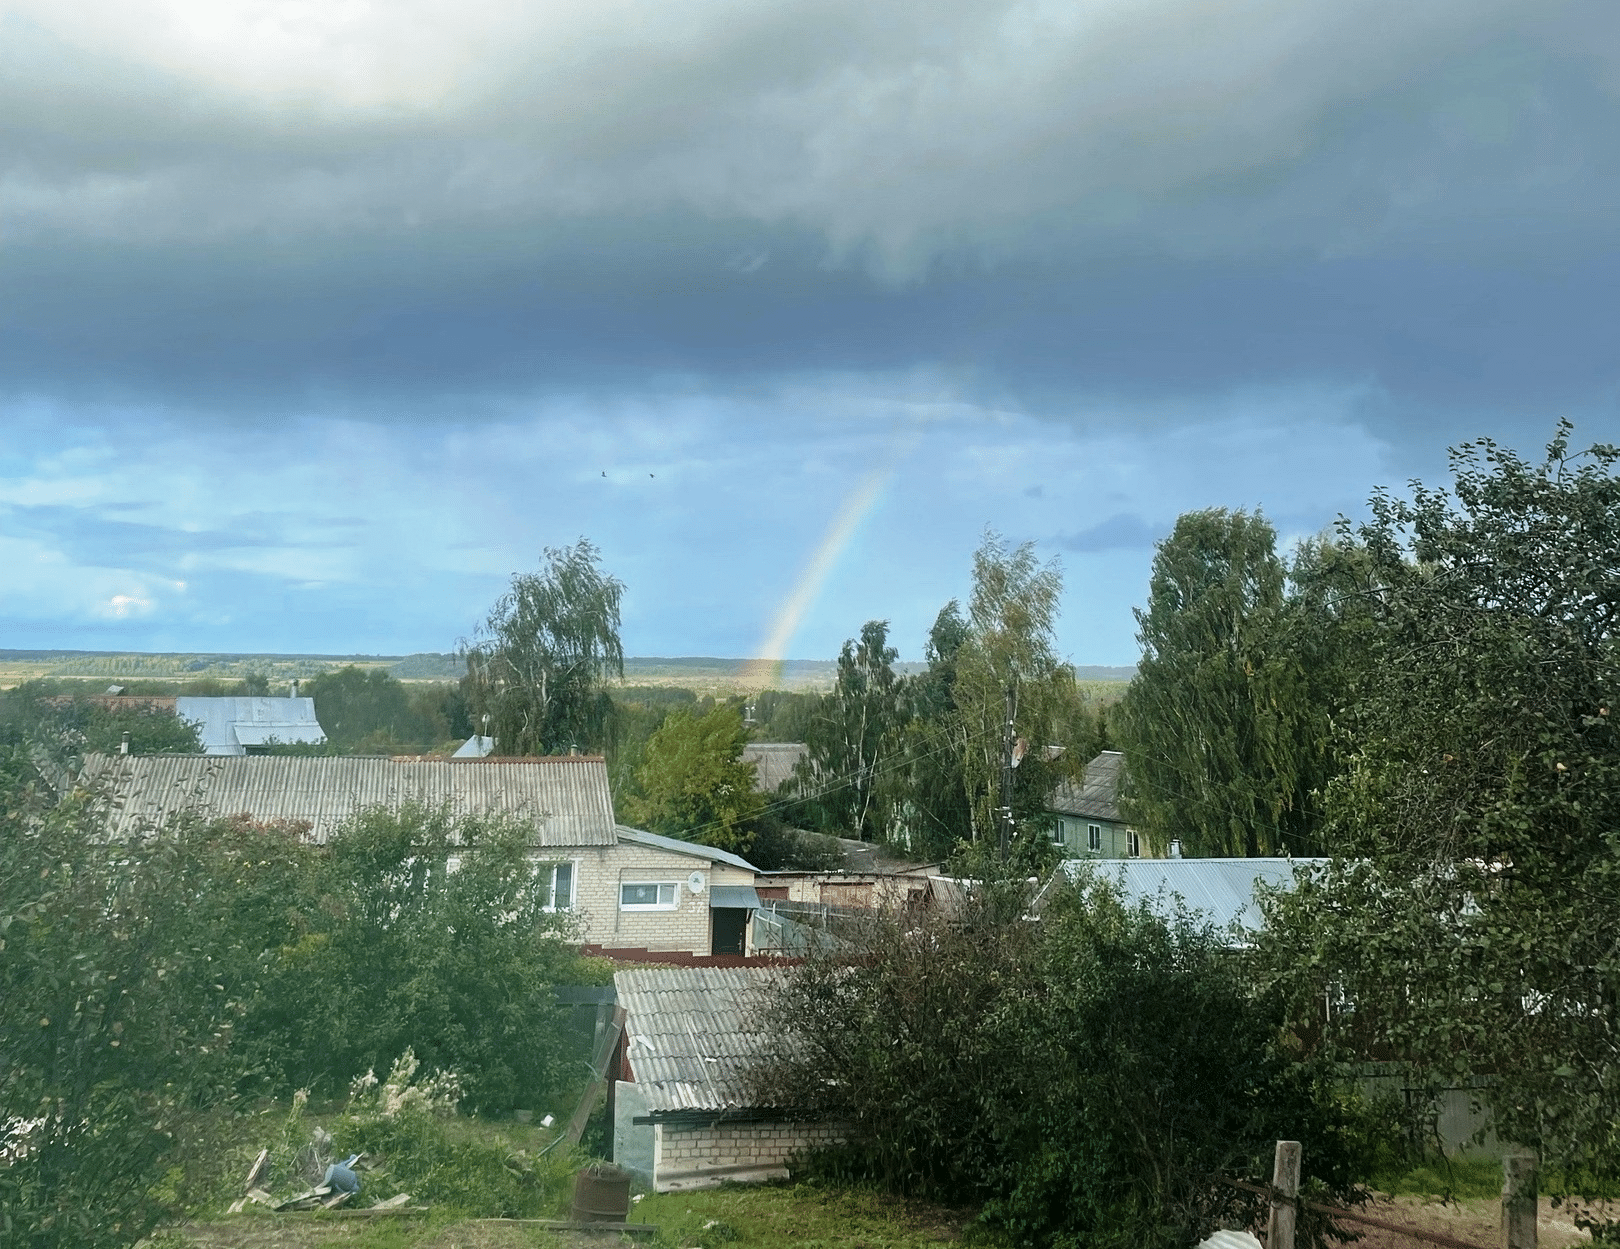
(1005,813)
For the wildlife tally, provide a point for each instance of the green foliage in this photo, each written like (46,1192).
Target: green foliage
(1010,653)
(115,1020)
(392,949)
(852,735)
(542,657)
(785,715)
(1224,729)
(1471,916)
(1086,1077)
(694,783)
(367,710)
(69,722)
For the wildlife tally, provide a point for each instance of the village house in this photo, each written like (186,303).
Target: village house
(241,726)
(630,893)
(1085,817)
(682,1110)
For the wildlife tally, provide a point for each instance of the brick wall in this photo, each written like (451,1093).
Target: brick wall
(599,870)
(702,1157)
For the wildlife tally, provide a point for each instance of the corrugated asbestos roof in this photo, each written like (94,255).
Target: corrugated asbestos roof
(1098,795)
(695,1033)
(692,848)
(566,800)
(1222,891)
(773,763)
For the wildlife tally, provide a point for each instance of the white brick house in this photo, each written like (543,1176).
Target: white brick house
(629,889)
(682,1114)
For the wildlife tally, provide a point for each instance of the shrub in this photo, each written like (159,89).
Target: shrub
(1085,1077)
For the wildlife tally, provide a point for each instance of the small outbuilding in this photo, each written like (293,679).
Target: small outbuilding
(683,1112)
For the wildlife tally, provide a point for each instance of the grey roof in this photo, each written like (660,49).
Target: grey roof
(773,763)
(733,896)
(695,1033)
(228,726)
(475,747)
(1097,796)
(1222,891)
(566,800)
(643,837)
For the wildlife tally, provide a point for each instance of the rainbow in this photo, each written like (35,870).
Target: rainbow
(764,670)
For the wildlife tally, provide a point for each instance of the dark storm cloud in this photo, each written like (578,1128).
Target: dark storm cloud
(1142,198)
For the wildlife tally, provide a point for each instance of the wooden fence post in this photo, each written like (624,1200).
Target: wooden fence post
(1285,1189)
(1519,1201)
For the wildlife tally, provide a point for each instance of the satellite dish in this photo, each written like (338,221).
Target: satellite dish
(694,882)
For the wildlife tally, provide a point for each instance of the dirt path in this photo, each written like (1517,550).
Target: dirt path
(1477,1221)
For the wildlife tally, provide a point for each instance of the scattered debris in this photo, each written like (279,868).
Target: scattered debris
(398,1199)
(257,1173)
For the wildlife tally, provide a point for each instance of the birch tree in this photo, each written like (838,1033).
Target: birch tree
(539,664)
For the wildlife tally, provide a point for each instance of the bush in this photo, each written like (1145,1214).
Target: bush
(1085,1077)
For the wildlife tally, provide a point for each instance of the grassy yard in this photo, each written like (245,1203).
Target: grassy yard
(733,1217)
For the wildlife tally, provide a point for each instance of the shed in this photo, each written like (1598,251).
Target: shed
(683,1113)
(774,763)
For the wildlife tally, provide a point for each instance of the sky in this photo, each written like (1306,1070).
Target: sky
(319,320)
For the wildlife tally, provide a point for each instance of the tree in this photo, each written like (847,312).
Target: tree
(354,703)
(1223,738)
(1008,662)
(853,733)
(542,658)
(1471,915)
(694,783)
(928,792)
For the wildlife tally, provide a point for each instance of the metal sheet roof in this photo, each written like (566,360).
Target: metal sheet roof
(695,1033)
(696,850)
(1222,891)
(773,763)
(1097,796)
(565,800)
(733,896)
(230,725)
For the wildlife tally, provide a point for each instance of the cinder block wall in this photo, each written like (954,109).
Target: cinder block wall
(701,1157)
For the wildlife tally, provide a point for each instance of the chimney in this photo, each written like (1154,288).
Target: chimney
(295,687)
(1175,848)
(123,746)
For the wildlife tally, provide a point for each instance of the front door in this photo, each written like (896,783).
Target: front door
(728,930)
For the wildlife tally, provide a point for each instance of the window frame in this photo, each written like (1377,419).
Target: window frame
(1133,843)
(572,865)
(659,885)
(1094,838)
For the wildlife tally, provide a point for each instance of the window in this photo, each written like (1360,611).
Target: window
(1133,844)
(558,881)
(647,897)
(1093,837)
(1057,833)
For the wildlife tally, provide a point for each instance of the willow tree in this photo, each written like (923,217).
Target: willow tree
(539,665)
(1224,734)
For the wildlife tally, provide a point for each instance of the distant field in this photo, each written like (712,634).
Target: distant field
(706,675)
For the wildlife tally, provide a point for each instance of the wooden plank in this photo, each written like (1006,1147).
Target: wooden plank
(1284,1196)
